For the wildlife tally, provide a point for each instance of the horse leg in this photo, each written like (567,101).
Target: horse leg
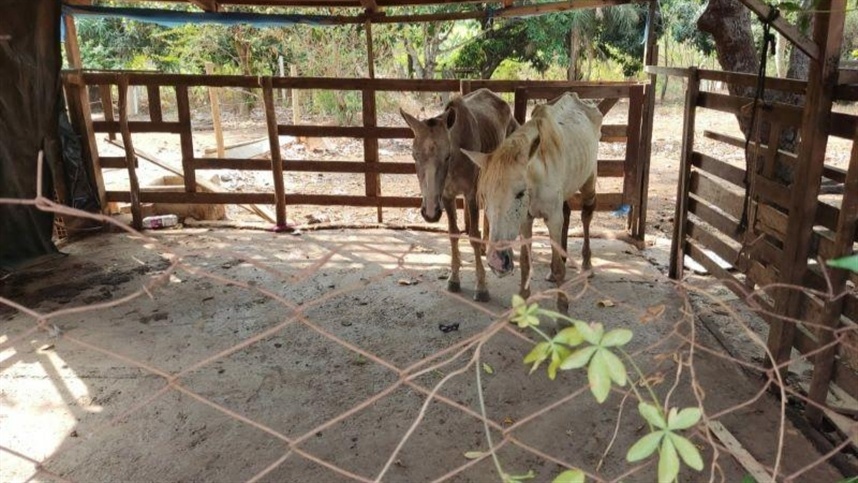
(472,221)
(558,267)
(453,284)
(588,195)
(564,236)
(526,250)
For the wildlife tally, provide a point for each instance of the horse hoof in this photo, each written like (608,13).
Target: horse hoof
(549,277)
(454,287)
(482,296)
(525,294)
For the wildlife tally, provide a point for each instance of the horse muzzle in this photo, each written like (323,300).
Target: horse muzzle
(431,217)
(501,262)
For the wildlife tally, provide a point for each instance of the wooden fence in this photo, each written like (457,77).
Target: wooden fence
(631,168)
(710,200)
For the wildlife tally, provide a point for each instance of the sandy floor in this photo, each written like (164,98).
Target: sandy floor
(310,358)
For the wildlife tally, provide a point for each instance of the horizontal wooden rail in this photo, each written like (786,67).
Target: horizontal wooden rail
(794,86)
(787,114)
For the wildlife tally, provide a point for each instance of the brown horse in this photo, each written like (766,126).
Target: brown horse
(478,121)
(535,173)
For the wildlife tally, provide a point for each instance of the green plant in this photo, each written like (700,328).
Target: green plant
(589,345)
(846,263)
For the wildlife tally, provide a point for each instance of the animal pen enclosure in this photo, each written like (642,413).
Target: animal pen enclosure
(630,169)
(351,324)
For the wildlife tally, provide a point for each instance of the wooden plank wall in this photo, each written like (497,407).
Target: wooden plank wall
(709,207)
(628,133)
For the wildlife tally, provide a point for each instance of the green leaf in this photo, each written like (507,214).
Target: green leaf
(617,337)
(600,379)
(557,356)
(686,418)
(616,369)
(652,414)
(487,368)
(518,478)
(687,451)
(846,263)
(750,479)
(569,336)
(579,358)
(668,462)
(644,447)
(570,476)
(590,333)
(517,301)
(473,455)
(538,354)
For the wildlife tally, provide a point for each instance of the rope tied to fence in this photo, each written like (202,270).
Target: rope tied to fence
(768,40)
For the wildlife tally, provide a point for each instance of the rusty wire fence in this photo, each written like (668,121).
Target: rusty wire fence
(554,426)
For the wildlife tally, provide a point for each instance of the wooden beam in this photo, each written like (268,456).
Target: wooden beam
(207,5)
(788,30)
(130,160)
(276,157)
(815,126)
(72,46)
(650,58)
(677,248)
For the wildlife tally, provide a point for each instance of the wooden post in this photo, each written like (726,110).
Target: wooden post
(282,66)
(370,145)
(276,159)
(72,46)
(520,109)
(186,138)
(631,181)
(823,364)
(153,93)
(650,58)
(296,100)
(106,95)
(130,158)
(816,116)
(677,247)
(214,95)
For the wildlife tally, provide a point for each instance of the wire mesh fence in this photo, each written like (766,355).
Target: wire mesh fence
(341,356)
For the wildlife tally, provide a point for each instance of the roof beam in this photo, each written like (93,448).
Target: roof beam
(788,30)
(206,5)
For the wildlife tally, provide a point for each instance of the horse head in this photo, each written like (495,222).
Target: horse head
(432,150)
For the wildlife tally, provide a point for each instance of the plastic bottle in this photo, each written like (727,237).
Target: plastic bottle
(159,221)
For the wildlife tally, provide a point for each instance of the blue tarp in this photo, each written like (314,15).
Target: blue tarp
(172,18)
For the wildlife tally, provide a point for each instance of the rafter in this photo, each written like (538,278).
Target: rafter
(206,5)
(788,30)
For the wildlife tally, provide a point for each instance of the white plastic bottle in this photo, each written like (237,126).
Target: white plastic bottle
(159,221)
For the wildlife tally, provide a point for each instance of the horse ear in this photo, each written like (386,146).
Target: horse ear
(412,121)
(449,117)
(480,159)
(534,145)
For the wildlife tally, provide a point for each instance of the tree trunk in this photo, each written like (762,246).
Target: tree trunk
(572,73)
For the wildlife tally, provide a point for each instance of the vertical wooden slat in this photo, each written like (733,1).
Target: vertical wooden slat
(81,119)
(677,247)
(631,185)
(106,95)
(650,58)
(186,138)
(153,92)
(828,35)
(370,145)
(847,221)
(214,98)
(276,159)
(72,46)
(130,157)
(520,108)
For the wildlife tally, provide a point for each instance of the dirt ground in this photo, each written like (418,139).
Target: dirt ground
(281,357)
(275,357)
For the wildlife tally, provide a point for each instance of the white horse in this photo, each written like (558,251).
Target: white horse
(531,174)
